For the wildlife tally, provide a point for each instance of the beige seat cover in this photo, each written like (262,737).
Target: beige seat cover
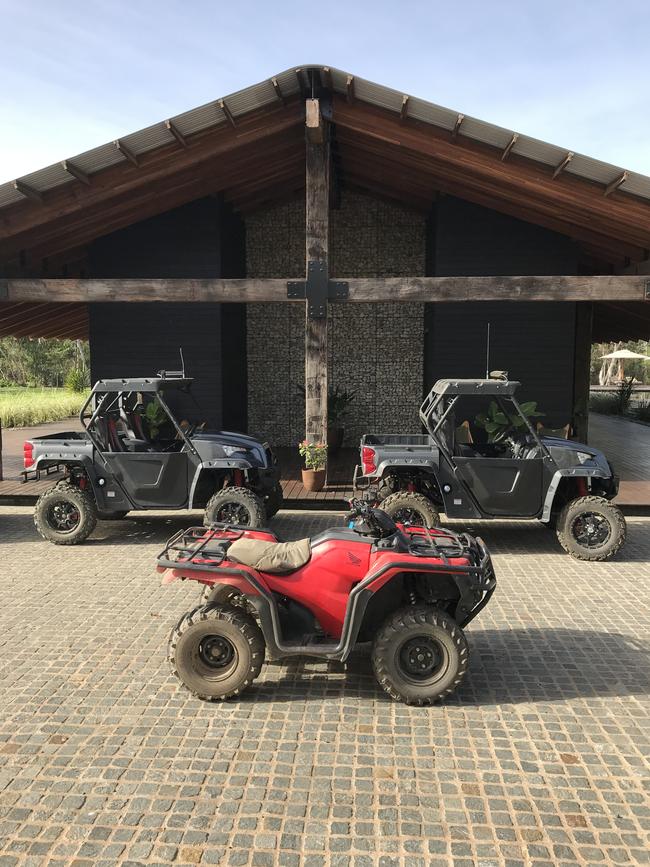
(270,556)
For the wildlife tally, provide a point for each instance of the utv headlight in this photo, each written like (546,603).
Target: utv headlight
(229,451)
(584,457)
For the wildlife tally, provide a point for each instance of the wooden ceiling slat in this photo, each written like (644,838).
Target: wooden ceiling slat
(23,319)
(156,165)
(572,213)
(630,215)
(370,159)
(261,159)
(147,202)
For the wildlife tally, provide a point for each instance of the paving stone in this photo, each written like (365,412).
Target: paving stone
(540,759)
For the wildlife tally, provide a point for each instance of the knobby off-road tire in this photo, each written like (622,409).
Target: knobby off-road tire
(58,501)
(406,508)
(420,655)
(225,596)
(216,651)
(607,521)
(235,506)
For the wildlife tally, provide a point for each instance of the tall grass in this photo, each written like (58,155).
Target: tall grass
(23,407)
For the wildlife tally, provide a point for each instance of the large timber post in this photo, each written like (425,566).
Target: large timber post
(317,271)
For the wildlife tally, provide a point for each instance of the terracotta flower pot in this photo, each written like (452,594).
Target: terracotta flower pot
(313,480)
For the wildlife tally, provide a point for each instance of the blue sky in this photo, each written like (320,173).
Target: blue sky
(76,74)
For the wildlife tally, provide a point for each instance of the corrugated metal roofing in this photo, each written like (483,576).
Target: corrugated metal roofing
(264,93)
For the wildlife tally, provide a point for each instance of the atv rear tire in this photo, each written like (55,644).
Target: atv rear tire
(237,506)
(591,528)
(65,515)
(411,509)
(419,655)
(216,651)
(221,595)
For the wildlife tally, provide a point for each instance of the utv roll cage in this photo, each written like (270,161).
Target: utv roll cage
(439,404)
(112,397)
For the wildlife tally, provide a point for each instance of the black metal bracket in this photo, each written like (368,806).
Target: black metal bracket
(318,289)
(4,290)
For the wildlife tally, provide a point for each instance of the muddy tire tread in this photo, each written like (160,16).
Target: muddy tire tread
(242,621)
(401,500)
(253,502)
(399,622)
(88,519)
(575,551)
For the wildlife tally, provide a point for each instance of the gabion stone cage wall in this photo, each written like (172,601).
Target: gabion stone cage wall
(375,350)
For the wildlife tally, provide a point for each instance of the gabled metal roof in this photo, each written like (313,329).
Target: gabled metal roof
(292,82)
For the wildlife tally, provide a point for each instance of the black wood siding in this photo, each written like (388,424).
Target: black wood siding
(201,239)
(534,342)
(140,339)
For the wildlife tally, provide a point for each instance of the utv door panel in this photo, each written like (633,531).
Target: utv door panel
(152,479)
(504,486)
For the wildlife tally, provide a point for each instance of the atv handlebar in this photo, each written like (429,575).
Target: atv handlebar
(378,523)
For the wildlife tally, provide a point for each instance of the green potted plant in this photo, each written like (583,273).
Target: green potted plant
(315,458)
(338,404)
(497,424)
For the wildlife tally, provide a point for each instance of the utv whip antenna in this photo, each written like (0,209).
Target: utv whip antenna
(487,353)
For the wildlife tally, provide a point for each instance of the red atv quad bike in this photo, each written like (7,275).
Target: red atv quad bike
(409,591)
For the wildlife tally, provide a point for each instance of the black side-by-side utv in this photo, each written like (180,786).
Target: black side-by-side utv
(134,454)
(515,474)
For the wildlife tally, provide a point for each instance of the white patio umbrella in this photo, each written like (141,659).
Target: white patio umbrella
(622,355)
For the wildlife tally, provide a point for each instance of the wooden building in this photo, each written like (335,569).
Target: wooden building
(320,228)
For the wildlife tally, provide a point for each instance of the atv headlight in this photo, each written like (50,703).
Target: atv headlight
(583,457)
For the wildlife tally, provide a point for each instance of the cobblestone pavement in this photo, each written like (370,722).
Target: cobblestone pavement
(539,759)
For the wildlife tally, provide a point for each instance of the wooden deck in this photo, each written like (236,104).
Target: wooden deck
(338,490)
(627,446)
(626,443)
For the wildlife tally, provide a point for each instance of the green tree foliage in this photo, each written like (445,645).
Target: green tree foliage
(41,362)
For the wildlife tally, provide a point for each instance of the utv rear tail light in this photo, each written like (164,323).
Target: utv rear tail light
(28,455)
(368,461)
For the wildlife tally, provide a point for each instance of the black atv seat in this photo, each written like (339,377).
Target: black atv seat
(273,557)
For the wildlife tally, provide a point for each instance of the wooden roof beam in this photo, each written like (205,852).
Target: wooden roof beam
(454,133)
(509,146)
(349,88)
(303,83)
(560,167)
(314,124)
(75,172)
(28,191)
(615,184)
(278,90)
(327,78)
(126,151)
(224,108)
(234,290)
(175,131)
(403,112)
